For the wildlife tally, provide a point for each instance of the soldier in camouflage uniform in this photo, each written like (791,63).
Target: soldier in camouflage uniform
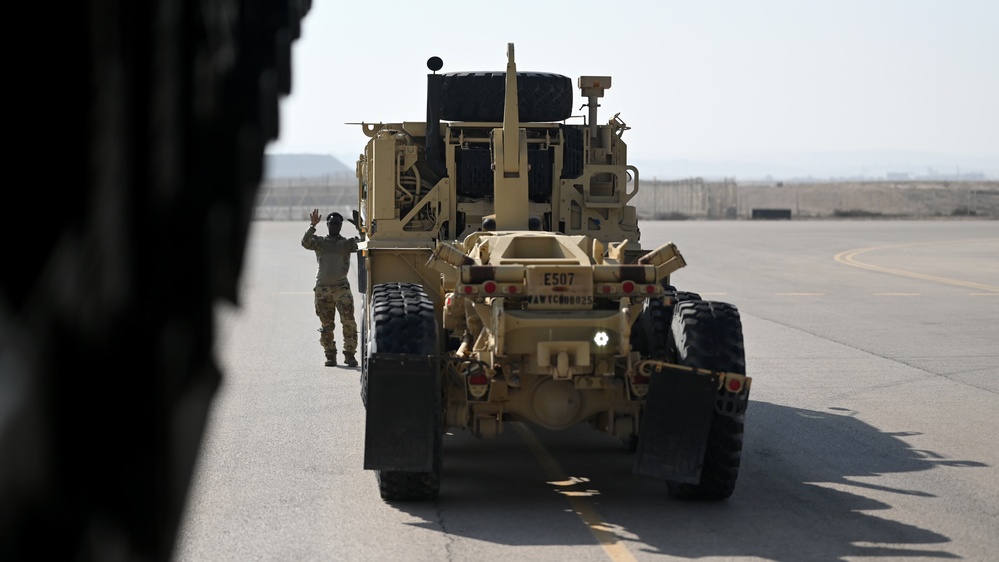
(332,289)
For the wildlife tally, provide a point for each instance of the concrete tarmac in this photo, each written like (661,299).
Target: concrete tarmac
(870,434)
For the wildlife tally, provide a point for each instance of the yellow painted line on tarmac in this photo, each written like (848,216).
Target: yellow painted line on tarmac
(604,533)
(898,294)
(849,257)
(984,295)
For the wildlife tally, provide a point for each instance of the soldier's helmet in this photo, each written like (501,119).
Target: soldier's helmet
(334,217)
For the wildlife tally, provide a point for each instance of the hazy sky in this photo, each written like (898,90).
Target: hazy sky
(708,80)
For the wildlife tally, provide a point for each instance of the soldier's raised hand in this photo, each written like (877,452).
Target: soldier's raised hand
(314,217)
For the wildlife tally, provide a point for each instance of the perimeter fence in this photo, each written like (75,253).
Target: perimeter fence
(697,198)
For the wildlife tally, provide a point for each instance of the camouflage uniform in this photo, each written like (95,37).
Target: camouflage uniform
(332,290)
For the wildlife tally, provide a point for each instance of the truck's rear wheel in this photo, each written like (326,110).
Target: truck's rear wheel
(708,335)
(652,338)
(403,322)
(480,96)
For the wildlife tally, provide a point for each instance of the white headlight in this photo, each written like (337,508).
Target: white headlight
(601,338)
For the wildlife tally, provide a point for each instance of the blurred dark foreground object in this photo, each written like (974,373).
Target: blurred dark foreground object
(159,114)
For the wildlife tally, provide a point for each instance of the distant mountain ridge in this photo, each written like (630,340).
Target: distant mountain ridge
(277,166)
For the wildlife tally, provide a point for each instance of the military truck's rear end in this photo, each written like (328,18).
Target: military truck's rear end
(504,281)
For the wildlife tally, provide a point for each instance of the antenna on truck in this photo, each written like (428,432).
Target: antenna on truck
(435,145)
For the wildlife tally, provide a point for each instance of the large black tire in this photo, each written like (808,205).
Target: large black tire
(651,335)
(479,96)
(708,335)
(403,321)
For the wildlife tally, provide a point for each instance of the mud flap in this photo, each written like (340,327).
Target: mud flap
(402,412)
(675,425)
(362,269)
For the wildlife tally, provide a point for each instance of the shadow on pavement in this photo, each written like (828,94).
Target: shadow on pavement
(796,499)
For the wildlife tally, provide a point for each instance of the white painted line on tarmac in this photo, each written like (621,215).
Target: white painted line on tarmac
(800,294)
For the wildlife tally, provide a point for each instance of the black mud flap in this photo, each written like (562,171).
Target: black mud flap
(362,269)
(402,412)
(675,425)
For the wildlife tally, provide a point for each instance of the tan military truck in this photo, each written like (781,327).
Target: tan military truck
(503,280)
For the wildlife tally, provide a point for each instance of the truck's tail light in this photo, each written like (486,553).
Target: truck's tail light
(489,287)
(478,383)
(650,289)
(628,287)
(640,385)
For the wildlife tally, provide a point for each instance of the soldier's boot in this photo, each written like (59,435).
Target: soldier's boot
(331,359)
(349,360)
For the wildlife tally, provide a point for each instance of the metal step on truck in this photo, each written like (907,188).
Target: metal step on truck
(503,280)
